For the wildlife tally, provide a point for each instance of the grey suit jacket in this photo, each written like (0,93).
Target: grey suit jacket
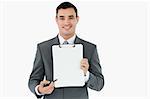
(43,66)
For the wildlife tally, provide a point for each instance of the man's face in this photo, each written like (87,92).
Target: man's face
(66,20)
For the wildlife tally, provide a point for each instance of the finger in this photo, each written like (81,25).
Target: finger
(84,65)
(84,62)
(84,69)
(85,59)
(48,89)
(44,82)
(51,85)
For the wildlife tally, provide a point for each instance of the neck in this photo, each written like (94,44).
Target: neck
(67,36)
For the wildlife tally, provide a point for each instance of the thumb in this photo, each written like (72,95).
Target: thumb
(51,84)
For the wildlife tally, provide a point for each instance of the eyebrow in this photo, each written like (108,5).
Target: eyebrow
(61,16)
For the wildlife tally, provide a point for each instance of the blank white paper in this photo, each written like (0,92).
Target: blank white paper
(66,65)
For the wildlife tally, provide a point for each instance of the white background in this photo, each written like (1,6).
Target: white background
(118,28)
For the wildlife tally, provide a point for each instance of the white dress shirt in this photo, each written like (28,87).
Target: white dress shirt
(70,40)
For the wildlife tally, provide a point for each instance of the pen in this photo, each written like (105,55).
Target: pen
(54,80)
(44,85)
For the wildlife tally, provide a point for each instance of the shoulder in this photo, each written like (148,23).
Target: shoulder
(47,42)
(87,43)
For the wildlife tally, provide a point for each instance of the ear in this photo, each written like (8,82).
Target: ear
(56,19)
(77,18)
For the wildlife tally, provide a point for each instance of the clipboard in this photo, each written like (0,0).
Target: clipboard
(66,65)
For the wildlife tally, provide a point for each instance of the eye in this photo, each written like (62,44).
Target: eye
(71,17)
(62,18)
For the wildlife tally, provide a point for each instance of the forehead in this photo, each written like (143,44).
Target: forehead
(66,12)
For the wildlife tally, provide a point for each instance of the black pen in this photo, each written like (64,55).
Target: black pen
(47,84)
(54,80)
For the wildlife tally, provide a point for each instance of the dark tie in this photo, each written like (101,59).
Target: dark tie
(65,43)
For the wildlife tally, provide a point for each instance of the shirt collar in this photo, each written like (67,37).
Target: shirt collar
(70,40)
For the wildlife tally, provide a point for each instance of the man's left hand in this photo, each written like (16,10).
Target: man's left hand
(84,65)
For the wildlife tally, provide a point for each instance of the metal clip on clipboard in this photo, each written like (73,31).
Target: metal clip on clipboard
(60,46)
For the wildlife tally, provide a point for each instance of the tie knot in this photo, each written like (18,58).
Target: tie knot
(65,42)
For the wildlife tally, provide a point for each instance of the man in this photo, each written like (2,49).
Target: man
(66,18)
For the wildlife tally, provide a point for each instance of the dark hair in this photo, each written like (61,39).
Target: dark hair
(65,5)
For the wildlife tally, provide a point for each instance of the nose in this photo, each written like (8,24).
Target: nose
(67,22)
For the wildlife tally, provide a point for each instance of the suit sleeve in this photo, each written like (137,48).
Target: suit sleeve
(37,74)
(96,79)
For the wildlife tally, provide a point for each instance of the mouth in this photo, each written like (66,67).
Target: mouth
(66,27)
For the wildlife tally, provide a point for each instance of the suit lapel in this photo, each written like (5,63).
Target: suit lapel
(77,40)
(55,41)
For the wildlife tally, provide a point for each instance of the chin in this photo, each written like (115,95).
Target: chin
(66,33)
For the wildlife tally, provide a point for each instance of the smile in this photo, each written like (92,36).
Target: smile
(66,27)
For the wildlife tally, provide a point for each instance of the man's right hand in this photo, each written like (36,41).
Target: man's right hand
(46,90)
